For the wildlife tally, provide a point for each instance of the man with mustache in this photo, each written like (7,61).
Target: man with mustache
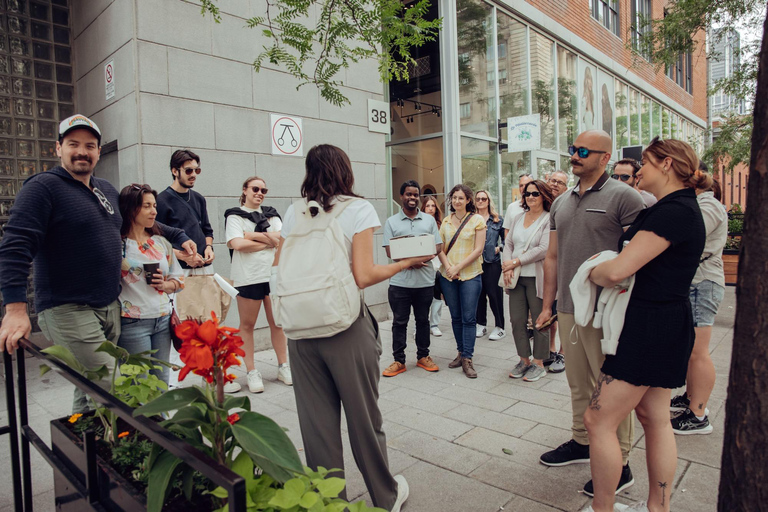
(413,287)
(585,220)
(68,222)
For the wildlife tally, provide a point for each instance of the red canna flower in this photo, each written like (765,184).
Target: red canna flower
(233,418)
(186,330)
(208,349)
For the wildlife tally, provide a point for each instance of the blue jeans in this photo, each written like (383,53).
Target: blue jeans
(141,334)
(461,297)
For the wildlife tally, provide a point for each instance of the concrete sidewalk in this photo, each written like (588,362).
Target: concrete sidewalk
(463,445)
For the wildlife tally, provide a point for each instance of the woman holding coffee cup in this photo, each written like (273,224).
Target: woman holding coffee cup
(149,273)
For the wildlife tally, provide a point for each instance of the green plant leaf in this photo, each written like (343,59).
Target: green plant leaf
(219,492)
(159,476)
(237,402)
(44,368)
(331,487)
(65,356)
(189,416)
(113,350)
(243,466)
(309,500)
(284,499)
(170,401)
(267,443)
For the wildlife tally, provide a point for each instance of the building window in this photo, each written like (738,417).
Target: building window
(641,25)
(607,13)
(465,110)
(681,72)
(502,76)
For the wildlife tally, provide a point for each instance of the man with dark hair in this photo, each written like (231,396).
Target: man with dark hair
(67,221)
(413,287)
(626,170)
(181,207)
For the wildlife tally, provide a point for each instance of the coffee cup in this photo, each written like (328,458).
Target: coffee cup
(150,269)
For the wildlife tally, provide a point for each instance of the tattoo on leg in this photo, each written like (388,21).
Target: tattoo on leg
(663,486)
(594,402)
(701,406)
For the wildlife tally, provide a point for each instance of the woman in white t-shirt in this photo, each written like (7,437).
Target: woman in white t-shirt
(253,234)
(144,302)
(343,369)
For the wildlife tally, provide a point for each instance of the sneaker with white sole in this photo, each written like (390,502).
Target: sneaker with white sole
(436,331)
(617,507)
(681,403)
(496,334)
(232,387)
(687,423)
(402,492)
(255,382)
(284,374)
(519,370)
(626,481)
(558,365)
(534,373)
(480,331)
(637,507)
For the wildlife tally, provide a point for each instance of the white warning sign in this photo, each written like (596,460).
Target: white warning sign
(287,136)
(109,79)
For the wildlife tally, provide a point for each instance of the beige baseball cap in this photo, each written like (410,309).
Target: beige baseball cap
(78,121)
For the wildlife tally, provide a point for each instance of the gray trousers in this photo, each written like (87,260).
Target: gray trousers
(344,369)
(522,298)
(81,329)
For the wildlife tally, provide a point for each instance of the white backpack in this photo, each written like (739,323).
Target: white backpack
(316,295)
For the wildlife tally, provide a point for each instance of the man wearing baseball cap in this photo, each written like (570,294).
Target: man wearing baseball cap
(67,221)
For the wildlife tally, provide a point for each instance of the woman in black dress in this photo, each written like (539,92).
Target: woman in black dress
(665,244)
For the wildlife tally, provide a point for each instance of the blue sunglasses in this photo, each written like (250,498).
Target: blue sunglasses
(583,152)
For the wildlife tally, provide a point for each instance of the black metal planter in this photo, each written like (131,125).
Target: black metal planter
(114,491)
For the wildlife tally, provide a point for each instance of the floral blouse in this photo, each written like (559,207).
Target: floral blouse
(137,298)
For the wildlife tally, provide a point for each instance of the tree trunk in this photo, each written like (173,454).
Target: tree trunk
(745,450)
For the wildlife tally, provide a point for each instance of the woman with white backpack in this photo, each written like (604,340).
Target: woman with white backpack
(335,362)
(523,266)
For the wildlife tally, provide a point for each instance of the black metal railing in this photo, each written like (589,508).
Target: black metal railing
(21,465)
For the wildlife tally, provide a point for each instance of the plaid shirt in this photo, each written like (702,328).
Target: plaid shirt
(463,247)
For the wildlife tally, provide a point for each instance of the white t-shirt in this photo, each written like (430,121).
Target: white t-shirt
(250,267)
(513,210)
(355,218)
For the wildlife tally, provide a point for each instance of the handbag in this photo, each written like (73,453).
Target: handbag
(516,271)
(201,296)
(175,320)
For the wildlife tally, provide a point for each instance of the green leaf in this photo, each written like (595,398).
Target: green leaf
(268,444)
(237,402)
(44,368)
(243,466)
(189,416)
(170,401)
(65,356)
(309,499)
(113,350)
(159,476)
(284,499)
(507,451)
(219,492)
(331,487)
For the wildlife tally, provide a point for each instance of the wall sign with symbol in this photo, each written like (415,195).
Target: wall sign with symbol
(378,116)
(287,135)
(109,79)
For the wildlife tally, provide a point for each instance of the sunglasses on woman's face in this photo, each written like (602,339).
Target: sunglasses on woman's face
(481,199)
(256,190)
(531,194)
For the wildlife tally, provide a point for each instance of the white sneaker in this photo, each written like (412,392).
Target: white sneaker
(284,374)
(640,506)
(232,387)
(617,507)
(255,384)
(436,331)
(496,334)
(480,331)
(402,492)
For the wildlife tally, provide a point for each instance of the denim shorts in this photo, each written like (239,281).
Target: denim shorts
(706,297)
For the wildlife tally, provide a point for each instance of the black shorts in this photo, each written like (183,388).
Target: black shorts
(254,291)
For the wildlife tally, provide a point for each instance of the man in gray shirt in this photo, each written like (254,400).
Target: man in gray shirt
(413,287)
(584,221)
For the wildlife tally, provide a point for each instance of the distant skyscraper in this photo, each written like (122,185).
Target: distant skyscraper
(727,46)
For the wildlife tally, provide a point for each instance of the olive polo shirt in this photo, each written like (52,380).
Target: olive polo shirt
(587,224)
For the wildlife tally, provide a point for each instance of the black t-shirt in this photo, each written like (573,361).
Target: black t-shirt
(668,276)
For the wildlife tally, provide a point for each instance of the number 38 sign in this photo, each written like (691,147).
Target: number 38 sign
(378,116)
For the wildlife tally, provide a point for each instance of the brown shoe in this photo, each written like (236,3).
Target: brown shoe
(395,368)
(428,364)
(469,369)
(456,362)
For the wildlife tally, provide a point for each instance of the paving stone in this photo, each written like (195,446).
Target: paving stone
(419,400)
(541,414)
(478,398)
(520,503)
(557,386)
(438,452)
(428,423)
(547,435)
(410,381)
(533,396)
(504,447)
(697,490)
(491,420)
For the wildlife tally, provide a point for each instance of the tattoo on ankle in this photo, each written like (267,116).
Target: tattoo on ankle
(701,406)
(663,486)
(594,402)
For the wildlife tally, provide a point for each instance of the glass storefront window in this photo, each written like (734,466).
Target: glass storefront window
(478,166)
(645,118)
(588,104)
(477,69)
(605,83)
(622,122)
(421,161)
(513,67)
(567,98)
(634,118)
(675,127)
(656,118)
(543,86)
(665,121)
(512,166)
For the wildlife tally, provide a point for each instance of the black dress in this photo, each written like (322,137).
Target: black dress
(657,338)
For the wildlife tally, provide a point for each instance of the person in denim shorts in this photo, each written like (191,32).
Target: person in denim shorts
(707,291)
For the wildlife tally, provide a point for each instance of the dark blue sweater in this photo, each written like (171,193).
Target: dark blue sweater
(174,210)
(75,243)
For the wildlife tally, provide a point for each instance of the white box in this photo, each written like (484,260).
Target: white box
(411,246)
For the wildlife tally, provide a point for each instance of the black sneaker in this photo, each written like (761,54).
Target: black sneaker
(626,481)
(680,403)
(687,423)
(565,454)
(551,359)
